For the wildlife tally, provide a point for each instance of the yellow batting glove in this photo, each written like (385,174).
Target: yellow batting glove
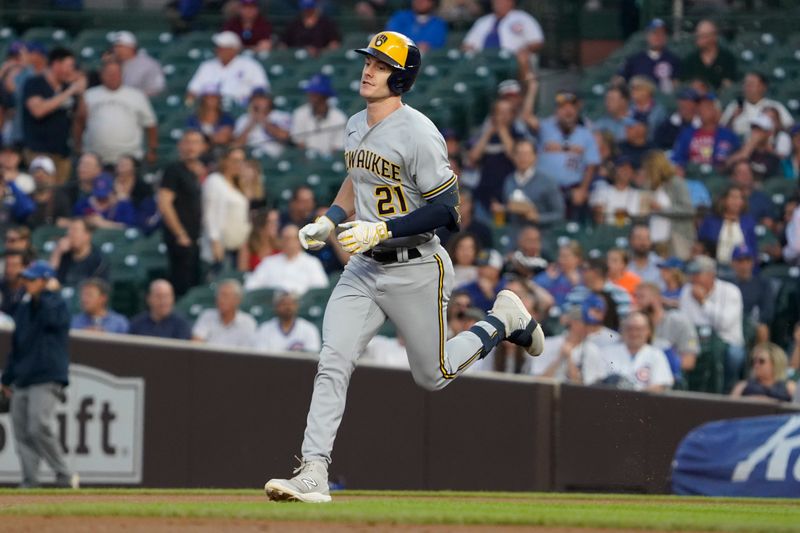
(359,236)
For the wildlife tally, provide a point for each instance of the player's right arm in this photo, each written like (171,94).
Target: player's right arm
(313,236)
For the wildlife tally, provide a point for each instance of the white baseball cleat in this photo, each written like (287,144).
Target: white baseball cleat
(521,328)
(309,485)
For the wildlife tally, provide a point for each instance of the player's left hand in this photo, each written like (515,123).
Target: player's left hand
(360,236)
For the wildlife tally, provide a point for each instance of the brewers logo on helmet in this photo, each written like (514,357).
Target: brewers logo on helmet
(400,53)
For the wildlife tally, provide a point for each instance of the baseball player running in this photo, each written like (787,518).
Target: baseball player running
(400,188)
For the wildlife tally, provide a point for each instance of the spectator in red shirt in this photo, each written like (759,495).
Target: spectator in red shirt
(312,30)
(251,26)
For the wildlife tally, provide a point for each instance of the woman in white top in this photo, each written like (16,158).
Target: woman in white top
(226,223)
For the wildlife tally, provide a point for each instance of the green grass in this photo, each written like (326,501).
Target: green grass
(565,510)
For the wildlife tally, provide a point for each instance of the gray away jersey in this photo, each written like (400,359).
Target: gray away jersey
(396,166)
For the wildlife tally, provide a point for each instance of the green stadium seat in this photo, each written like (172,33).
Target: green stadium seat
(780,189)
(708,373)
(195,301)
(48,36)
(45,238)
(258,302)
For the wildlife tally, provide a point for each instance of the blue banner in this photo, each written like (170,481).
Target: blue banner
(743,457)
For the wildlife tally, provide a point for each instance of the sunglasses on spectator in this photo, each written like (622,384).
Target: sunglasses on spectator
(759,361)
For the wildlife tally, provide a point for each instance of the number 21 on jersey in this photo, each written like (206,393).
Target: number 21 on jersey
(386,196)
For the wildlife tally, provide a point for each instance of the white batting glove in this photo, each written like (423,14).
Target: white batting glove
(360,236)
(313,236)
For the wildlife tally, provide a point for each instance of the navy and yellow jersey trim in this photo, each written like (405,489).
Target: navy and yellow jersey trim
(441,188)
(440,309)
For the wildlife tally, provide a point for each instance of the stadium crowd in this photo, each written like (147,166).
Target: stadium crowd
(607,224)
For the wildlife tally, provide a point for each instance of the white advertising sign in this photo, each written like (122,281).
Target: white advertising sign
(100,427)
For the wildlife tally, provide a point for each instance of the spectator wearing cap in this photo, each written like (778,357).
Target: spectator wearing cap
(210,119)
(75,258)
(729,226)
(636,144)
(673,333)
(644,106)
(791,165)
(117,120)
(139,69)
(709,143)
(758,151)
(673,279)
(522,102)
(595,280)
(740,113)
(35,65)
(95,314)
(506,28)
(759,205)
(617,115)
(709,62)
(103,209)
(311,30)
(52,205)
(484,289)
(50,99)
(421,25)
(667,132)
(615,203)
(529,197)
(180,202)
(758,297)
(317,125)
(13,64)
(36,372)
(287,332)
(251,26)
(634,361)
(657,62)
(263,128)
(595,312)
(717,304)
(236,75)
(568,151)
(10,160)
(564,274)
(160,319)
(226,325)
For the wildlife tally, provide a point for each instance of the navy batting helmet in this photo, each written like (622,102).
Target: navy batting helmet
(400,53)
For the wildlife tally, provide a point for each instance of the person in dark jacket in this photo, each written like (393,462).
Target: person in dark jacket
(37,372)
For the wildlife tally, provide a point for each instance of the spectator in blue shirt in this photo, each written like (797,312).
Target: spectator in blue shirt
(657,62)
(421,25)
(759,204)
(160,320)
(686,115)
(483,291)
(103,209)
(644,106)
(563,275)
(210,119)
(708,144)
(95,314)
(568,151)
(728,227)
(617,117)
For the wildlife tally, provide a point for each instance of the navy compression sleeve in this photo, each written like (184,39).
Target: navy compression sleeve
(440,211)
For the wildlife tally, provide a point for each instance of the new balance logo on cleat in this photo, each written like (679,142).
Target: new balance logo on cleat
(309,482)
